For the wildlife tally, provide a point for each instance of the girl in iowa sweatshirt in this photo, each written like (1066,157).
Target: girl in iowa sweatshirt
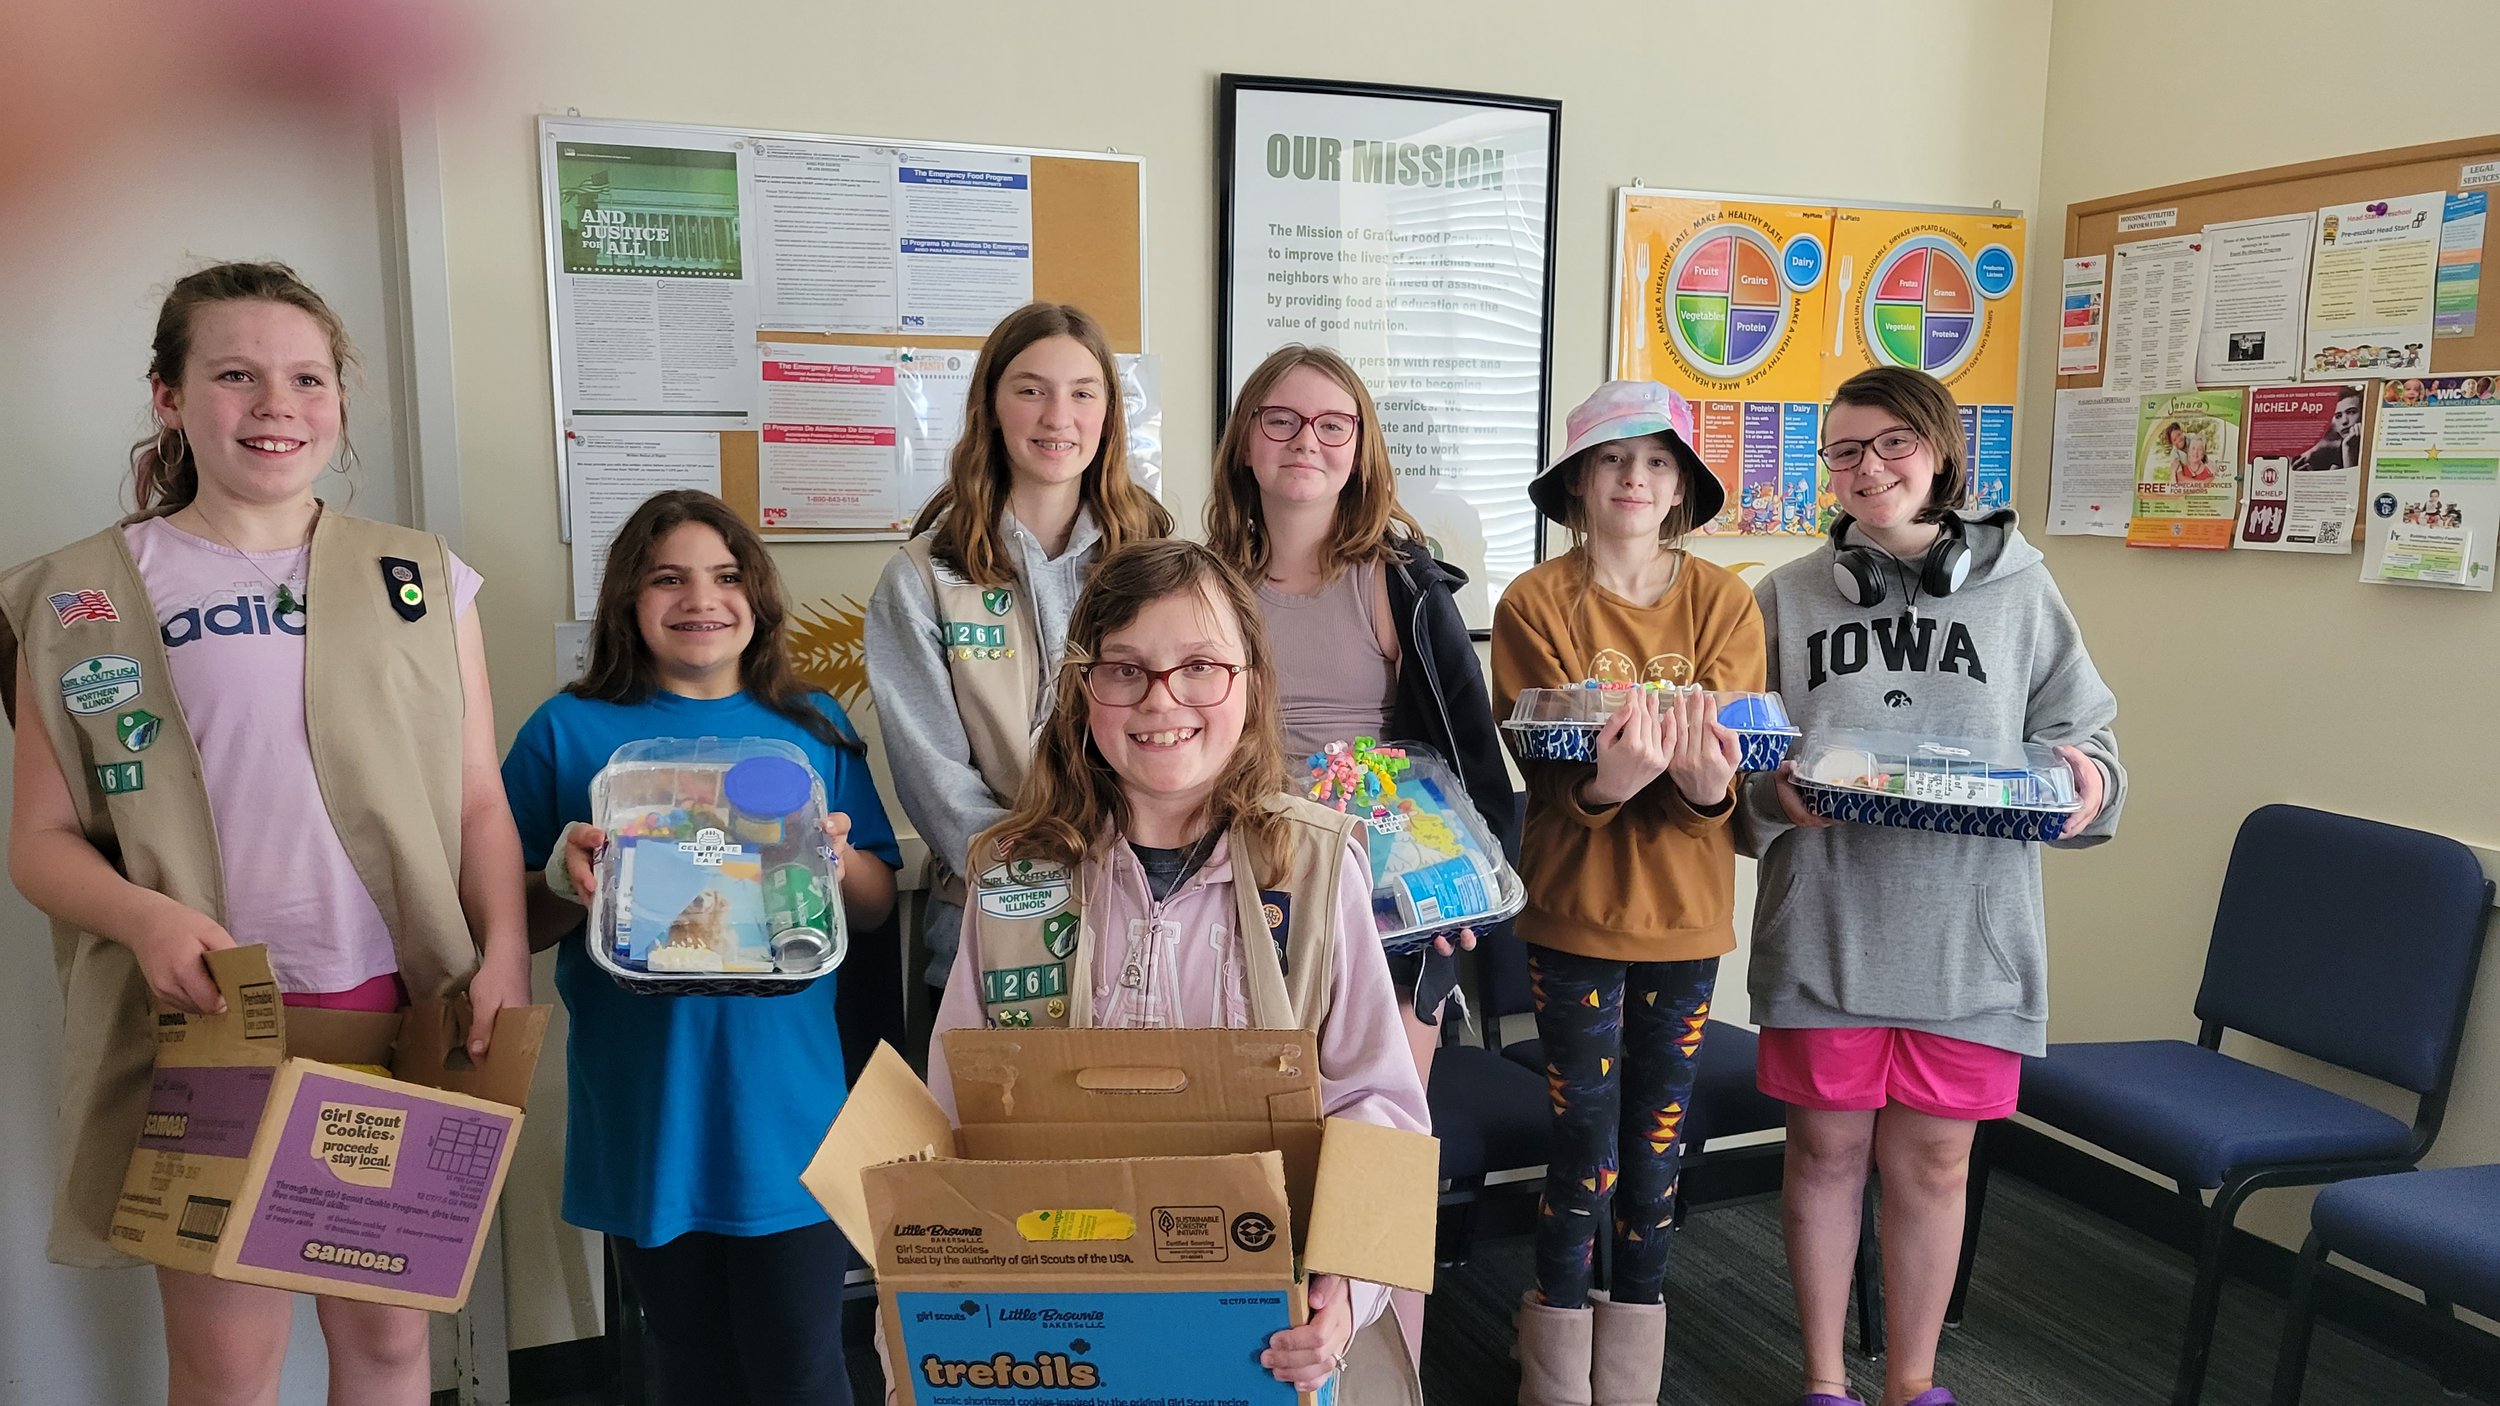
(1899,976)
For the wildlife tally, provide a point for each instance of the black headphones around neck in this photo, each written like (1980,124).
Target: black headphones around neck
(1859,572)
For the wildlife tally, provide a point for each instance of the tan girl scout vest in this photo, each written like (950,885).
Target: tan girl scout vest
(996,670)
(1037,951)
(1037,955)
(382,713)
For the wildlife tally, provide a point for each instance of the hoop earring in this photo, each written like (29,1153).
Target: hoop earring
(165,460)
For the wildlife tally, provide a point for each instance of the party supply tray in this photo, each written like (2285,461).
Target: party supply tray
(1561,724)
(1435,867)
(1957,786)
(716,879)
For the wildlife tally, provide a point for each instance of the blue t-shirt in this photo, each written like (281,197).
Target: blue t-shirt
(686,1112)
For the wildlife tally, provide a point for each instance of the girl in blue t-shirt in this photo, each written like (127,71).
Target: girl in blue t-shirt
(689,1118)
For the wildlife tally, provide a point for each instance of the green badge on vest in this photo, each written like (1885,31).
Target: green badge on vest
(121,778)
(137,729)
(1059,935)
(1024,983)
(999,600)
(965,634)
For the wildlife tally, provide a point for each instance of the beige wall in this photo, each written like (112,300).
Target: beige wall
(2253,677)
(1820,97)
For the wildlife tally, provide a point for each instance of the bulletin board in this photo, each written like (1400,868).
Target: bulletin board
(2092,228)
(675,254)
(2429,398)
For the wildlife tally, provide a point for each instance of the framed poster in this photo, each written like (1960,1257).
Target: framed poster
(1756,308)
(1411,230)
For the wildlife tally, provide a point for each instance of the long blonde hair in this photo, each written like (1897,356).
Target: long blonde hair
(1368,516)
(978,474)
(1072,805)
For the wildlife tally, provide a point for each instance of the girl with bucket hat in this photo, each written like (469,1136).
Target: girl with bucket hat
(1630,869)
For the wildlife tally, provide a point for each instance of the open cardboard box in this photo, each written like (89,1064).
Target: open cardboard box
(1118,1218)
(265,1162)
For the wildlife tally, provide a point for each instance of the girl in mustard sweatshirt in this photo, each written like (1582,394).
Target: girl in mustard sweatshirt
(1630,870)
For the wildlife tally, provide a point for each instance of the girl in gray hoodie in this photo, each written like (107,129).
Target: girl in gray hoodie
(1900,975)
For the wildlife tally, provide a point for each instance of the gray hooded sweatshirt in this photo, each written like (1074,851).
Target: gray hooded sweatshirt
(934,777)
(1859,925)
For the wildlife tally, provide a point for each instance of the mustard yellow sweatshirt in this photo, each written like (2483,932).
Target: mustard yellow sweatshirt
(1653,879)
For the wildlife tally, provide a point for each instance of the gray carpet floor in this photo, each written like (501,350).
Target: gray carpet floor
(2066,1309)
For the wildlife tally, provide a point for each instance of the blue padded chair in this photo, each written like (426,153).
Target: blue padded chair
(2346,940)
(2438,1231)
(1490,1114)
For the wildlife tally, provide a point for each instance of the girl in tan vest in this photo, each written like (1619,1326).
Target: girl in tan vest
(193,772)
(968,622)
(1153,873)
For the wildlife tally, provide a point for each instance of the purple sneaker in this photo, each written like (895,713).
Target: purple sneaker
(1825,1398)
(1932,1396)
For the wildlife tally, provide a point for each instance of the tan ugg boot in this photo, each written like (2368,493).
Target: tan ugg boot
(1628,1351)
(1553,1354)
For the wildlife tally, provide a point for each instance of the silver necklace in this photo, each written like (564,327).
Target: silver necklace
(287,601)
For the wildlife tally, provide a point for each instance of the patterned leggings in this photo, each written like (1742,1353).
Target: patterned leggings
(1621,1043)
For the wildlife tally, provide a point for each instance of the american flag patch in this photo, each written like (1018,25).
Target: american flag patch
(76,606)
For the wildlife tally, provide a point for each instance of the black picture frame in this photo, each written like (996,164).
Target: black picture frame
(1229,89)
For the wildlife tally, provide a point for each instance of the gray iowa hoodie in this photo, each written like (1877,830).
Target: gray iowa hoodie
(1859,925)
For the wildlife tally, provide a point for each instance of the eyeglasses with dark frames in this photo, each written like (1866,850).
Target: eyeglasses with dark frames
(1901,442)
(1194,683)
(1334,428)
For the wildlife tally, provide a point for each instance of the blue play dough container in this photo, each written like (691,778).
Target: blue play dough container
(1760,722)
(1951,786)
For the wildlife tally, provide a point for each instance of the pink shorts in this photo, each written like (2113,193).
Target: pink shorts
(1865,1068)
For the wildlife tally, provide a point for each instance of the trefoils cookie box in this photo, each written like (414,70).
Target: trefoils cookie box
(1120,1214)
(266,1159)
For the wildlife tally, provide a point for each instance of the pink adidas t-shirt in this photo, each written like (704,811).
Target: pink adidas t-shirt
(238,671)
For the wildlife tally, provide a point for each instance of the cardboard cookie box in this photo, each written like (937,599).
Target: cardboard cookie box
(1124,1216)
(267,1159)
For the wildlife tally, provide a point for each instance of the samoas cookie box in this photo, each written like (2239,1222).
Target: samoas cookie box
(1435,867)
(1955,786)
(1561,724)
(716,879)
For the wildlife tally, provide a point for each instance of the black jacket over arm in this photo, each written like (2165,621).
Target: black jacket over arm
(1442,702)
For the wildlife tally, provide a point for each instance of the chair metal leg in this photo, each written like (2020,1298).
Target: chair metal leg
(629,1362)
(2205,1300)
(2291,1362)
(2446,1362)
(1870,1276)
(1975,1199)
(1460,1242)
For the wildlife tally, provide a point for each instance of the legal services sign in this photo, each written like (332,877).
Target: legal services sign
(1410,230)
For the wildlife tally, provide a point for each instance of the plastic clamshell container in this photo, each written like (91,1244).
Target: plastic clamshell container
(716,880)
(1955,786)
(1560,724)
(1435,867)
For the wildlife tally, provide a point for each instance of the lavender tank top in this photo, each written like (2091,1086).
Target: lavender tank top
(1333,680)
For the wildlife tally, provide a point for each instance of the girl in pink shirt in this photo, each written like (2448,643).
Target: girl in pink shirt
(247,371)
(1157,780)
